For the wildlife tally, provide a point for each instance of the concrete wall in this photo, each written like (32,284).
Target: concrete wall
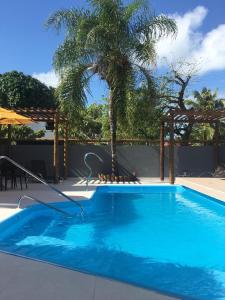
(195,161)
(24,154)
(139,159)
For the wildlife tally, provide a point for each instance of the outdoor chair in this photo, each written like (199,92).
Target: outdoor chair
(10,174)
(22,177)
(7,174)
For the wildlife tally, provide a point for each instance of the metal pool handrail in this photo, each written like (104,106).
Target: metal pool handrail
(43,203)
(88,166)
(42,181)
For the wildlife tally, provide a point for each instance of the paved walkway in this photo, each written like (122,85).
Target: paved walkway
(24,279)
(214,187)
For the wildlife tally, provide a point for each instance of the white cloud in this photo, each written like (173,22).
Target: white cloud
(192,45)
(212,50)
(49,78)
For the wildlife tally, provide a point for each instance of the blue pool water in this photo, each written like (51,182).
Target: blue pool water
(167,238)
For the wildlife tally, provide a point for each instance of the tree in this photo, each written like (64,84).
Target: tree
(112,40)
(90,123)
(205,100)
(19,90)
(173,94)
(142,115)
(19,132)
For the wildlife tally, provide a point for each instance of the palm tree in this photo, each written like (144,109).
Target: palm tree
(205,100)
(109,39)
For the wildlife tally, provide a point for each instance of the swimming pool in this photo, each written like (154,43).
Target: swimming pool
(167,238)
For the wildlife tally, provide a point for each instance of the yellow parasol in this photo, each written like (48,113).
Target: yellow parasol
(9,117)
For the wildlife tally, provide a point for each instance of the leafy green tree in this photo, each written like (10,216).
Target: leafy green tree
(90,123)
(19,132)
(112,40)
(142,114)
(19,90)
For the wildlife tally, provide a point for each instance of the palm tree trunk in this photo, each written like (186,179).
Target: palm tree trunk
(112,122)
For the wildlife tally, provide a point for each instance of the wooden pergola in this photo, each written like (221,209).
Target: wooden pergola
(51,115)
(188,117)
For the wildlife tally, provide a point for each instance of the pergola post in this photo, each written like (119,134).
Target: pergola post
(171,150)
(65,150)
(216,143)
(162,150)
(56,148)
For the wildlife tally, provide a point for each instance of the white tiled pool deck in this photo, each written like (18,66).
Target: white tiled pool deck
(24,279)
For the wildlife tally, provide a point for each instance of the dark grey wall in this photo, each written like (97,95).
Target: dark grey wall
(195,161)
(24,154)
(139,159)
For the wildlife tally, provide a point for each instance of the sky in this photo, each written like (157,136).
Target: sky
(27,46)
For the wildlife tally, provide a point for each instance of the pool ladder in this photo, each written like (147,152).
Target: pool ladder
(43,203)
(45,183)
(88,166)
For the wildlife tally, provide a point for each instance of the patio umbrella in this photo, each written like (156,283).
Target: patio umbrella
(9,117)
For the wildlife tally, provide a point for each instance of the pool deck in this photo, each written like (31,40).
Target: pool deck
(28,279)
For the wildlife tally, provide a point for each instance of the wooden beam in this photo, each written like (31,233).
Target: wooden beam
(65,150)
(56,148)
(216,144)
(171,151)
(195,116)
(162,151)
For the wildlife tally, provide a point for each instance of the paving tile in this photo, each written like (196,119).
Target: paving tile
(26,279)
(115,290)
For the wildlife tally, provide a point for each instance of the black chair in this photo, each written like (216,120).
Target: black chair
(10,173)
(7,174)
(22,177)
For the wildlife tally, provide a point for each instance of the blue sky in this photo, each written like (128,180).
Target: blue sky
(28,47)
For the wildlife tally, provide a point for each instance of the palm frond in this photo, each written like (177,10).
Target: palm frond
(133,8)
(66,18)
(145,53)
(73,86)
(161,26)
(153,27)
(69,54)
(149,83)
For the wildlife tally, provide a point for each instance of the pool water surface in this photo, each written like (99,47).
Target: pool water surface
(166,238)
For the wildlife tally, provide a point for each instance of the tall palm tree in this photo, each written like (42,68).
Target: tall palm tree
(109,39)
(206,100)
